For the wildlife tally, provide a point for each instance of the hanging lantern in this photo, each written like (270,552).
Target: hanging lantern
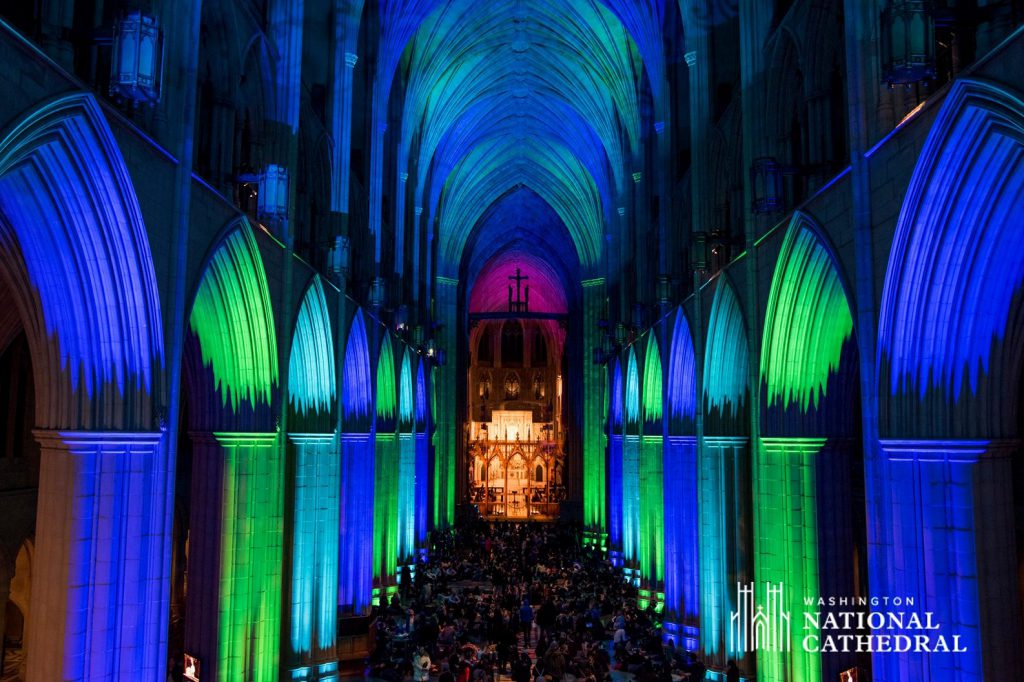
(664,289)
(699,252)
(378,292)
(766,180)
(136,60)
(273,192)
(339,256)
(620,334)
(908,41)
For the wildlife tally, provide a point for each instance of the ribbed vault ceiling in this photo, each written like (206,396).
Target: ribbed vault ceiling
(553,95)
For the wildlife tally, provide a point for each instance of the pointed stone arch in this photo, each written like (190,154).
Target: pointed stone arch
(77,260)
(231,355)
(950,364)
(726,375)
(71,232)
(357,386)
(809,374)
(311,373)
(681,380)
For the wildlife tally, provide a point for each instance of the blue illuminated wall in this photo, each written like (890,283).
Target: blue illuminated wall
(631,464)
(615,423)
(422,483)
(682,520)
(950,358)
(90,308)
(406,506)
(357,474)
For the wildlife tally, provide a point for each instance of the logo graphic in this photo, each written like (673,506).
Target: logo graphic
(760,627)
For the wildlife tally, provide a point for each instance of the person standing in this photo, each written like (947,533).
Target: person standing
(526,620)
(732,673)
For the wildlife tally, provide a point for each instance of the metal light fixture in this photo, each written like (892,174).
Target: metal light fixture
(338,258)
(908,41)
(620,334)
(401,318)
(766,180)
(699,252)
(378,292)
(273,192)
(664,289)
(136,61)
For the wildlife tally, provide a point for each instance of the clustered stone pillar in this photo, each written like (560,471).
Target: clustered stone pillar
(98,597)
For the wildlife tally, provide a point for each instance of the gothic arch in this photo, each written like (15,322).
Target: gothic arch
(807,464)
(951,325)
(406,398)
(422,407)
(387,388)
(357,385)
(726,391)
(357,472)
(808,351)
(616,406)
(72,233)
(632,391)
(231,346)
(652,384)
(681,379)
(950,361)
(311,372)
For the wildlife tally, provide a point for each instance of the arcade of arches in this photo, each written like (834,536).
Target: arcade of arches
(726,288)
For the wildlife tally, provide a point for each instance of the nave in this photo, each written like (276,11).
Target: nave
(522,602)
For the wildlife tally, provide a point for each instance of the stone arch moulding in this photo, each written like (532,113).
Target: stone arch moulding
(73,235)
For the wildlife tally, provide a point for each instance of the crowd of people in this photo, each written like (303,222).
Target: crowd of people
(527,602)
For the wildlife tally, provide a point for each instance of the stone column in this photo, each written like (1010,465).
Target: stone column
(594,475)
(312,598)
(235,555)
(98,598)
(724,502)
(948,544)
(682,535)
(447,428)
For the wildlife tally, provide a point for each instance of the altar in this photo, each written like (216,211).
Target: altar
(516,479)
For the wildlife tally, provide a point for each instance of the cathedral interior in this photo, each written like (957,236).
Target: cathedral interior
(735,288)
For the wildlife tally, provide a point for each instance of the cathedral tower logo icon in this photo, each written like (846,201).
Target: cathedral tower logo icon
(760,627)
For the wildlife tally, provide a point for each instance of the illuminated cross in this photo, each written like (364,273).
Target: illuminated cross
(519,305)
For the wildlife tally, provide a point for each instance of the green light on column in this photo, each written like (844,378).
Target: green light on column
(233,320)
(787,545)
(808,322)
(252,519)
